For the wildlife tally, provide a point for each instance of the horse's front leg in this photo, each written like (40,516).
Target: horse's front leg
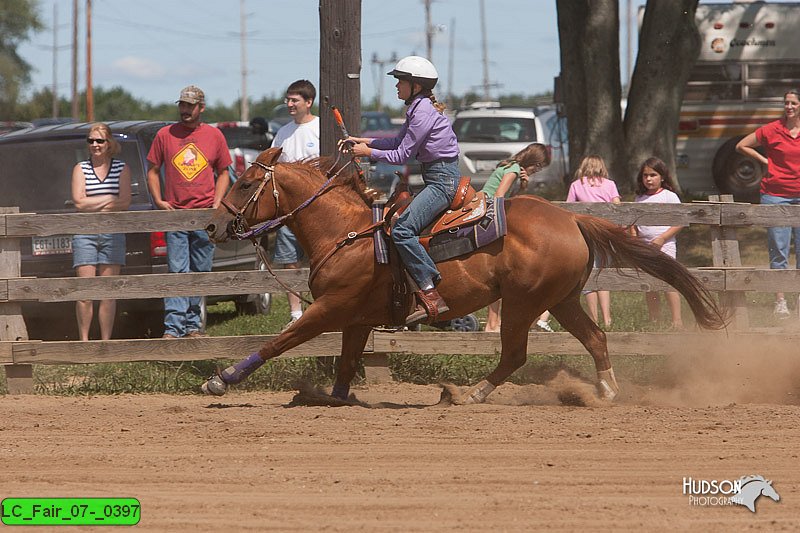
(354,338)
(317,319)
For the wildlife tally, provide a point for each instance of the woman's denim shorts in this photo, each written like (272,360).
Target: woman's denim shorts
(102,249)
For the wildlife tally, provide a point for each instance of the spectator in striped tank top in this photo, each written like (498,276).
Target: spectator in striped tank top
(99,183)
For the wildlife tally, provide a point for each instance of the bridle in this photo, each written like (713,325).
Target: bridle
(239,229)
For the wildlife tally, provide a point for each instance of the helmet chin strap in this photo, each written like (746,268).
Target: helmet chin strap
(410,99)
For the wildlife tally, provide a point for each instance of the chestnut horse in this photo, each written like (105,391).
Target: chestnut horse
(542,263)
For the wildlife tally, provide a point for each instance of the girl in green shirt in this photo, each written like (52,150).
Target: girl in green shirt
(526,162)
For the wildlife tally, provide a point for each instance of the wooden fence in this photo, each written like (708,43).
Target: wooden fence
(18,353)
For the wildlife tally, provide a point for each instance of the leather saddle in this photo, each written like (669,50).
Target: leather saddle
(467,208)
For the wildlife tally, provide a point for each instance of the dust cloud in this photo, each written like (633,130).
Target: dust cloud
(717,371)
(755,370)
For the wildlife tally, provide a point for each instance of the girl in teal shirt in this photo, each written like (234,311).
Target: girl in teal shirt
(527,161)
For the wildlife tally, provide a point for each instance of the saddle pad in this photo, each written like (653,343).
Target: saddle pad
(465,240)
(460,242)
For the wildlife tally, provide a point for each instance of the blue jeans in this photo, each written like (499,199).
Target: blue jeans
(779,239)
(441,179)
(101,249)
(187,251)
(287,249)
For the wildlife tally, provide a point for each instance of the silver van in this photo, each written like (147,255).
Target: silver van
(490,133)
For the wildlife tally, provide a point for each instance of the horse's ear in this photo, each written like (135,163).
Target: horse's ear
(269,156)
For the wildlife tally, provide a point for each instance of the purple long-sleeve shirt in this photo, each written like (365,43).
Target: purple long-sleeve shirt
(426,135)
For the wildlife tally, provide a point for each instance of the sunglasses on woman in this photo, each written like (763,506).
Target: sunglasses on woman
(89,140)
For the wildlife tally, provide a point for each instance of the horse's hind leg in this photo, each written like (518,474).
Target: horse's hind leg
(354,339)
(574,319)
(516,322)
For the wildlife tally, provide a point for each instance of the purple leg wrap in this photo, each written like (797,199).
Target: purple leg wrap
(341,391)
(238,372)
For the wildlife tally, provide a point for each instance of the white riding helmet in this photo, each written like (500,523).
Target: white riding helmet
(417,70)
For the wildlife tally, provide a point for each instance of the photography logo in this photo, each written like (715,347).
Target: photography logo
(743,491)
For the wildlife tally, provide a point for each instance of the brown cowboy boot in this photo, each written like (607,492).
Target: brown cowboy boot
(430,304)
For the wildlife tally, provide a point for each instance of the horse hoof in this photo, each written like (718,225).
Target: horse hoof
(478,394)
(214,386)
(607,385)
(606,392)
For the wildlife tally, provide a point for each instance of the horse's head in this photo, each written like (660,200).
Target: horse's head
(249,201)
(768,491)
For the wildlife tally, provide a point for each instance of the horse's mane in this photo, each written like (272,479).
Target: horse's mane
(748,479)
(348,177)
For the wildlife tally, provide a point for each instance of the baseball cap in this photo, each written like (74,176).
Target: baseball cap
(192,95)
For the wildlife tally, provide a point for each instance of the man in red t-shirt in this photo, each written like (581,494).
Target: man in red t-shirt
(191,152)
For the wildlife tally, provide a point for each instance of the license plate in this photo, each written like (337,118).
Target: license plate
(55,245)
(482,165)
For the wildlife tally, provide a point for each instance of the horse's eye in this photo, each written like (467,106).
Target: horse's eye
(246,185)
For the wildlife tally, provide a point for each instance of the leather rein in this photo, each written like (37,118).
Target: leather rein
(240,230)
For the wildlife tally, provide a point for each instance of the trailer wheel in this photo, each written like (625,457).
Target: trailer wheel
(737,174)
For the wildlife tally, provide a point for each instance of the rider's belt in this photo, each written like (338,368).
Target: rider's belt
(428,164)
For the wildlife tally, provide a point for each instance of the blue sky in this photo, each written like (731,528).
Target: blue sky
(152,48)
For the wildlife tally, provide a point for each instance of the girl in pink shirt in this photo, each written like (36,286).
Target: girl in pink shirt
(592,185)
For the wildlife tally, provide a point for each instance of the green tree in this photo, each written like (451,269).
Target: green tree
(18,18)
(40,105)
(590,77)
(117,104)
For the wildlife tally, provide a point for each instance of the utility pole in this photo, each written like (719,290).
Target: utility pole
(339,68)
(428,30)
(89,91)
(245,105)
(378,68)
(486,83)
(75,59)
(450,63)
(55,60)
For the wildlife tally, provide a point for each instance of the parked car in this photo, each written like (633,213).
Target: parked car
(244,143)
(37,174)
(280,117)
(377,124)
(487,135)
(7,126)
(52,121)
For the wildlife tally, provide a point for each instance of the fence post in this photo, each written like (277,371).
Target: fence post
(19,378)
(376,368)
(725,250)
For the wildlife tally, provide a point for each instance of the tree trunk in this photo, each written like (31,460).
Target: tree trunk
(588,33)
(339,69)
(669,44)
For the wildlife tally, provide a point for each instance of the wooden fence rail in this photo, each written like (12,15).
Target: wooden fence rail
(17,353)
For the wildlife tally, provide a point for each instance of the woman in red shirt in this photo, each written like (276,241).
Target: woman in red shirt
(781,185)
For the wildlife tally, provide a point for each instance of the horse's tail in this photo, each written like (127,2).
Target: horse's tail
(608,240)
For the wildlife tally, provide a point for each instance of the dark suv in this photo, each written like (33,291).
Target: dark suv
(37,174)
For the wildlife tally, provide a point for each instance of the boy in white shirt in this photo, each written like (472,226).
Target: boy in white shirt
(299,141)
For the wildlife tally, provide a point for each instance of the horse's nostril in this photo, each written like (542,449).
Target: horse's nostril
(211,228)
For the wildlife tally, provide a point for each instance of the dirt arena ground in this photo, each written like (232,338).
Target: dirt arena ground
(523,462)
